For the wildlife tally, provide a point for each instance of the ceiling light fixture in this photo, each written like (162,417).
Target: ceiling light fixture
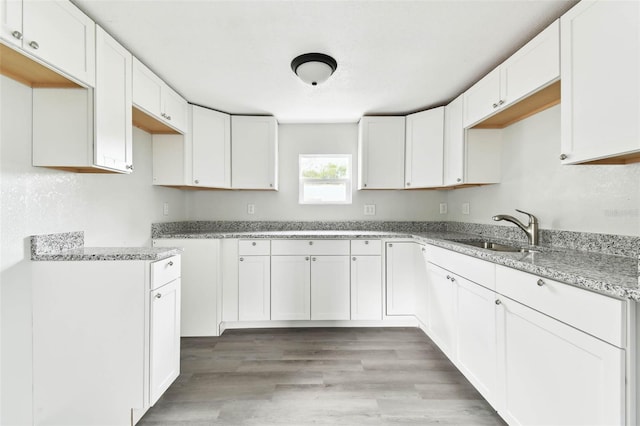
(314,68)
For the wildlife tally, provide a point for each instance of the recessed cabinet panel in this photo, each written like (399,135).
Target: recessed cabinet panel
(330,288)
(290,287)
(424,149)
(454,142)
(381,153)
(400,278)
(441,292)
(210,136)
(366,288)
(481,100)
(147,89)
(254,288)
(254,148)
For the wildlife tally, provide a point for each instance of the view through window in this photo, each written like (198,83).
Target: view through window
(325,179)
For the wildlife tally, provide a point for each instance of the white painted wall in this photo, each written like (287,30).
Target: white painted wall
(296,139)
(584,198)
(113,210)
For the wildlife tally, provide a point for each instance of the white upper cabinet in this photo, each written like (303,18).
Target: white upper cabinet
(210,139)
(166,111)
(424,149)
(381,153)
(254,148)
(601,82)
(54,32)
(530,69)
(114,138)
(87,130)
(454,138)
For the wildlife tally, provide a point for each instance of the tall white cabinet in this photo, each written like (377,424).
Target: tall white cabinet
(424,150)
(600,82)
(254,147)
(381,153)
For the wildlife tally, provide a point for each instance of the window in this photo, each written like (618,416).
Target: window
(325,179)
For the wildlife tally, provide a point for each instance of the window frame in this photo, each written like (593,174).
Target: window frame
(347,180)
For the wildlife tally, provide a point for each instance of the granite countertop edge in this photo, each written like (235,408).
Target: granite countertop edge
(629,289)
(109,254)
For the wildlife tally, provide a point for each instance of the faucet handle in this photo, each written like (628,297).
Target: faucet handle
(532,218)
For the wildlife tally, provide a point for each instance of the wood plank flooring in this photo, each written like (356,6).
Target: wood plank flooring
(318,376)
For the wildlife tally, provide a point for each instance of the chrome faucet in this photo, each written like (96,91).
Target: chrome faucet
(531,229)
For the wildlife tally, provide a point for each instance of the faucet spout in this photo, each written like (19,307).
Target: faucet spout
(531,229)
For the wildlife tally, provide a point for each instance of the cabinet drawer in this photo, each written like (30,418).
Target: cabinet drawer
(254,247)
(476,270)
(593,313)
(164,271)
(319,247)
(366,247)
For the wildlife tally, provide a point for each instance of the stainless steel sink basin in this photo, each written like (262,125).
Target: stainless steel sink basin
(495,246)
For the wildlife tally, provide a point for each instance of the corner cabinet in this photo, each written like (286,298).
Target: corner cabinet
(600,83)
(424,149)
(105,339)
(55,33)
(254,152)
(158,108)
(88,130)
(381,153)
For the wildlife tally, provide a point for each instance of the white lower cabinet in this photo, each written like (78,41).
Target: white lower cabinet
(290,287)
(366,287)
(441,309)
(200,285)
(330,290)
(552,373)
(105,342)
(254,288)
(401,266)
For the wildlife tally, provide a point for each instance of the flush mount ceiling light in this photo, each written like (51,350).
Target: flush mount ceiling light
(314,68)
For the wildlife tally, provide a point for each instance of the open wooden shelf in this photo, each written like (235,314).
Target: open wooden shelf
(19,67)
(150,124)
(539,101)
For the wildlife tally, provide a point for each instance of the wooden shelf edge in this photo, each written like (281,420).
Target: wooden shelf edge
(630,158)
(150,124)
(81,169)
(27,71)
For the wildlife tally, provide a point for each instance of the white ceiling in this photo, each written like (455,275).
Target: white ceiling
(393,57)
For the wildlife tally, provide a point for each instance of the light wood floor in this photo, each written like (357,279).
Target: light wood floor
(319,376)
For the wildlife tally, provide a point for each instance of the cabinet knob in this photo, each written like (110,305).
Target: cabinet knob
(310,243)
(448,277)
(158,296)
(242,259)
(495,106)
(408,183)
(366,242)
(313,258)
(197,181)
(498,302)
(270,185)
(501,102)
(353,258)
(170,263)
(424,250)
(563,156)
(253,243)
(540,283)
(365,185)
(306,258)
(389,245)
(169,117)
(163,115)
(34,44)
(459,180)
(17,34)
(130,167)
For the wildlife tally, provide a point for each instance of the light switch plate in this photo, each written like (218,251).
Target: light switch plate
(369,209)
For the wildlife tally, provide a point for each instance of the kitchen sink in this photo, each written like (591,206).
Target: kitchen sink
(495,246)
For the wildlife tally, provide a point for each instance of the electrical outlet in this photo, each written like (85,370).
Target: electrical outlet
(369,209)
(465,208)
(165,209)
(251,208)
(443,208)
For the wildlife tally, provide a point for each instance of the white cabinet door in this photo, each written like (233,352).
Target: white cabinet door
(210,136)
(424,149)
(552,373)
(381,153)
(454,140)
(254,148)
(174,109)
(366,287)
(254,288)
(200,269)
(11,21)
(330,292)
(290,287)
(164,342)
(600,81)
(400,278)
(441,297)
(476,337)
(147,89)
(482,99)
(113,145)
(421,308)
(61,35)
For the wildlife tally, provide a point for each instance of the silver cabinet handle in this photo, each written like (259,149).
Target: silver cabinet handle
(130,167)
(365,185)
(17,34)
(310,243)
(448,277)
(563,156)
(313,258)
(366,242)
(540,283)
(424,250)
(501,102)
(495,106)
(242,259)
(306,258)
(408,183)
(353,258)
(197,181)
(270,185)
(389,245)
(158,296)
(253,243)
(453,280)
(498,302)
(170,263)
(34,45)
(458,180)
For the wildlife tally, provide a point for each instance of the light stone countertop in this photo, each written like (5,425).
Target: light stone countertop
(612,275)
